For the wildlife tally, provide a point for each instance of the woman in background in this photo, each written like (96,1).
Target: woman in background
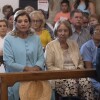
(47,25)
(85,6)
(10,19)
(29,9)
(38,22)
(6,10)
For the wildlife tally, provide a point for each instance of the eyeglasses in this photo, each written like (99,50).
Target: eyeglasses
(97,31)
(36,21)
(62,30)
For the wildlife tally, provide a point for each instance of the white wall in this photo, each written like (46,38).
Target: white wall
(14,3)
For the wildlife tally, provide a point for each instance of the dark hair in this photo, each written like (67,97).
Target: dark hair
(65,1)
(17,10)
(7,7)
(85,14)
(75,11)
(9,15)
(92,28)
(77,2)
(65,22)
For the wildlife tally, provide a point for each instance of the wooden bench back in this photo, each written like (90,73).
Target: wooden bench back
(8,79)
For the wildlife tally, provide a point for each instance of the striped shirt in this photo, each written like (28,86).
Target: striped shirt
(80,37)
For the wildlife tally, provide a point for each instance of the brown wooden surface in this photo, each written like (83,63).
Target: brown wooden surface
(8,79)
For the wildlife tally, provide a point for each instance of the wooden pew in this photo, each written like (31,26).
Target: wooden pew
(8,79)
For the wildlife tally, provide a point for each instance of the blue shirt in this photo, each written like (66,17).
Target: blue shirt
(88,52)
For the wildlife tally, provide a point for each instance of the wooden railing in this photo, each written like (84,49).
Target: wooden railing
(8,79)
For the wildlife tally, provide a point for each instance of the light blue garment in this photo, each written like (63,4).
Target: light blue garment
(88,52)
(82,8)
(19,53)
(13,93)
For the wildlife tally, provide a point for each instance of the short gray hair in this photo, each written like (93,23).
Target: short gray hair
(66,23)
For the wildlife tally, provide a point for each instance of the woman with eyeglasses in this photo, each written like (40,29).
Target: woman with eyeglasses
(38,22)
(63,54)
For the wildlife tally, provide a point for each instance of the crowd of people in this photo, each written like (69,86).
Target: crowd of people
(28,43)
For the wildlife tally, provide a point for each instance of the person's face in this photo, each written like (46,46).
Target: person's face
(93,21)
(77,19)
(96,34)
(10,20)
(36,23)
(62,32)
(64,7)
(85,22)
(22,24)
(7,11)
(29,10)
(3,28)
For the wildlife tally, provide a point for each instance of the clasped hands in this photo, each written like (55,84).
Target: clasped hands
(32,69)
